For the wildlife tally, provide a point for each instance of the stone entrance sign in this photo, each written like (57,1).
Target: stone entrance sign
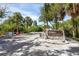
(52,34)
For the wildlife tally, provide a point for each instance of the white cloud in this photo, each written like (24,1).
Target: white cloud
(24,13)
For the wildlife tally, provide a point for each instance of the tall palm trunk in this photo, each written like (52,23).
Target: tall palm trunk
(56,25)
(46,20)
(73,21)
(46,33)
(47,24)
(63,30)
(73,27)
(76,29)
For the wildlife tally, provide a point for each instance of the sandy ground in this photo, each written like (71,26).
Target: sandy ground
(33,45)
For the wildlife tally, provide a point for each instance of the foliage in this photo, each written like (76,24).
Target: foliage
(50,13)
(35,22)
(35,29)
(73,10)
(3,11)
(27,23)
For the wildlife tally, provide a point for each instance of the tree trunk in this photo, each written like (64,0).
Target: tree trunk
(56,24)
(17,31)
(17,28)
(73,27)
(47,31)
(76,29)
(27,27)
(63,31)
(73,21)
(47,24)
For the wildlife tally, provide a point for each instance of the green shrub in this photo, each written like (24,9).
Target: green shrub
(39,29)
(68,32)
(35,29)
(32,29)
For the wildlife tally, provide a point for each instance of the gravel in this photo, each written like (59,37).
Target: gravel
(33,45)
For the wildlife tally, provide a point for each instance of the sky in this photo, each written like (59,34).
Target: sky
(27,9)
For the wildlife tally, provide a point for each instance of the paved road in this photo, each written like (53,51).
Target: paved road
(33,45)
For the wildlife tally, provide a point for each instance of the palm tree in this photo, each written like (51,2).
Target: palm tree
(2,11)
(17,19)
(45,14)
(73,11)
(35,22)
(28,22)
(57,12)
